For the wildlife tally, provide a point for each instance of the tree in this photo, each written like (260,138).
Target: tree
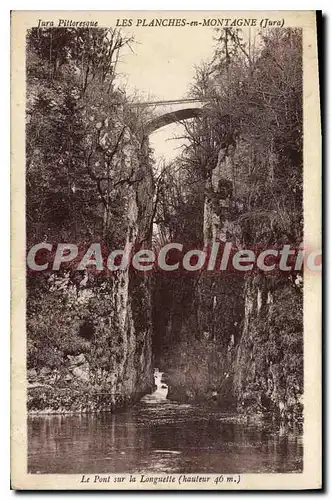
(79,129)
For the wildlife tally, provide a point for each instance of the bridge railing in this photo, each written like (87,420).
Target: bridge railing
(167,102)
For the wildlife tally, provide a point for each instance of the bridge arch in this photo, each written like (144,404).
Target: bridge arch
(172,117)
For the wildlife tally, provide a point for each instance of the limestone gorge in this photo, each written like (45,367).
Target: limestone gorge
(100,340)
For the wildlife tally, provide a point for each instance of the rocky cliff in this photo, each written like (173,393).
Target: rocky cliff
(89,334)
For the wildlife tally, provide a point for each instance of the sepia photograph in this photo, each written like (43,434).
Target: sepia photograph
(168,246)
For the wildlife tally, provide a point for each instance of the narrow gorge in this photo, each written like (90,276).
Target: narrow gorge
(224,339)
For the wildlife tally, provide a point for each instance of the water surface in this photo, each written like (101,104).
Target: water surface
(165,437)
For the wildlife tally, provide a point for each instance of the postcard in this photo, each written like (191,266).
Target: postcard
(166,251)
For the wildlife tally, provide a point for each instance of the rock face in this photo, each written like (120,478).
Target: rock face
(97,330)
(268,369)
(239,341)
(79,368)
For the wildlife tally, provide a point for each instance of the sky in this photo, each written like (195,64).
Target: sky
(162,67)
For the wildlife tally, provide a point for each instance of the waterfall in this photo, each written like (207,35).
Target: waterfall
(160,394)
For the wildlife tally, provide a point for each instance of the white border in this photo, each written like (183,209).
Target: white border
(4,185)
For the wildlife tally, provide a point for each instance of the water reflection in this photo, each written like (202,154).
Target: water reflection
(166,437)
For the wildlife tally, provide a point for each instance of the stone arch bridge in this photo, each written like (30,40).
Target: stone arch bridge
(171,111)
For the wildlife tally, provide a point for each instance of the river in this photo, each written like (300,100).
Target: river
(165,437)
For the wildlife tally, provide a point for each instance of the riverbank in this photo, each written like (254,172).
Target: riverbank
(77,387)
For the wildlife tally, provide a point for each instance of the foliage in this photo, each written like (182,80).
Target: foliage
(79,126)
